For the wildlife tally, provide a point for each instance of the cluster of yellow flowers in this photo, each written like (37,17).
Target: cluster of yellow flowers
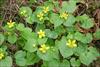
(71,43)
(41,14)
(41,34)
(45,9)
(64,15)
(10,24)
(1,55)
(44,48)
(23,12)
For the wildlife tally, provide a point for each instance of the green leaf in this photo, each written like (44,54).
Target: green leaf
(25,11)
(94,51)
(64,50)
(7,62)
(83,38)
(27,33)
(75,63)
(1,39)
(42,40)
(86,58)
(97,34)
(86,22)
(30,19)
(59,30)
(44,56)
(40,27)
(79,36)
(70,21)
(51,34)
(89,56)
(12,38)
(69,6)
(53,63)
(20,58)
(54,52)
(29,45)
(55,19)
(31,58)
(80,49)
(64,63)
(88,38)
(20,27)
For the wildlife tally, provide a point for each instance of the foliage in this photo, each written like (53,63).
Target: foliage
(47,35)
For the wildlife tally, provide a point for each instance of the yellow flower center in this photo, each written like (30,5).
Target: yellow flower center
(44,48)
(1,55)
(45,9)
(41,34)
(23,12)
(40,16)
(71,43)
(64,15)
(10,24)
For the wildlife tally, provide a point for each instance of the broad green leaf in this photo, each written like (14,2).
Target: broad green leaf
(79,36)
(25,11)
(20,58)
(31,58)
(75,63)
(69,6)
(80,49)
(54,52)
(70,21)
(12,38)
(27,33)
(53,63)
(49,4)
(88,38)
(65,63)
(44,56)
(40,27)
(51,34)
(83,38)
(30,19)
(1,39)
(86,22)
(97,34)
(56,20)
(29,45)
(94,51)
(6,62)
(59,30)
(20,27)
(42,40)
(70,36)
(89,56)
(64,50)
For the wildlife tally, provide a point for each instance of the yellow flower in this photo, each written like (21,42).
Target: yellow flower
(1,55)
(23,12)
(44,48)
(10,24)
(40,16)
(71,43)
(64,15)
(45,9)
(41,34)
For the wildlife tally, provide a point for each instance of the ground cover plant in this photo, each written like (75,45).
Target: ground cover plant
(50,33)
